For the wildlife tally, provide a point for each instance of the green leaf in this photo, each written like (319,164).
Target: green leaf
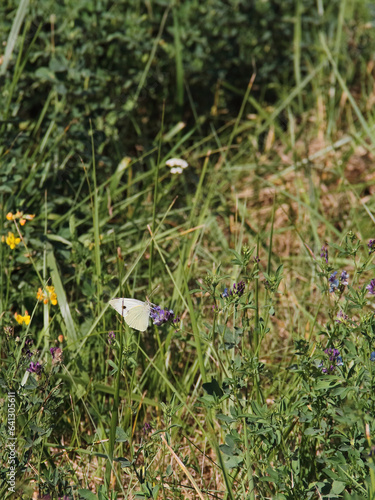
(233,461)
(337,487)
(225,418)
(121,435)
(213,388)
(87,495)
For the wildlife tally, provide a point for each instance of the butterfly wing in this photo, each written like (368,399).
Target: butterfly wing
(138,316)
(135,312)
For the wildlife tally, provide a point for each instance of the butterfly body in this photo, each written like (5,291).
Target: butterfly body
(135,312)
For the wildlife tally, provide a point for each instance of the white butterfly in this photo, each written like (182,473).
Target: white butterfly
(135,312)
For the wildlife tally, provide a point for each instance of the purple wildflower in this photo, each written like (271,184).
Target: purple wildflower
(35,368)
(332,353)
(372,356)
(256,260)
(324,253)
(334,359)
(147,428)
(26,348)
(344,278)
(161,316)
(341,317)
(111,337)
(240,288)
(371,247)
(371,287)
(334,282)
(236,291)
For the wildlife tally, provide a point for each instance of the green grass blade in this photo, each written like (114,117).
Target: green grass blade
(12,38)
(61,299)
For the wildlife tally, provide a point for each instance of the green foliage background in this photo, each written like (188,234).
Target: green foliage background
(95,97)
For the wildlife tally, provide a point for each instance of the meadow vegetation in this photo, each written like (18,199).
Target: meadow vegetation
(261,383)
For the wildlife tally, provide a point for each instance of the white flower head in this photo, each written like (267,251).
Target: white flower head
(176,170)
(177,162)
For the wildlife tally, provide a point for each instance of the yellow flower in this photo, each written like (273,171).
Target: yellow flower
(26,318)
(19,215)
(53,298)
(18,318)
(22,319)
(52,295)
(25,217)
(12,241)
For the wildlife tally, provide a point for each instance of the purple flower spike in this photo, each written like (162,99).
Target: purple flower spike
(161,316)
(324,253)
(147,428)
(341,317)
(26,348)
(371,287)
(333,281)
(344,278)
(371,247)
(236,291)
(334,359)
(240,288)
(35,368)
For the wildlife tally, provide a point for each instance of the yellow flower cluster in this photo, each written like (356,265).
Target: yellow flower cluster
(49,294)
(11,240)
(22,319)
(21,216)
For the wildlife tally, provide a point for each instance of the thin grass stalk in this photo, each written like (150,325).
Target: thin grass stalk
(256,299)
(336,55)
(3,293)
(18,70)
(178,59)
(239,116)
(155,204)
(114,417)
(45,306)
(344,87)
(371,485)
(96,221)
(152,55)
(297,49)
(249,469)
(257,339)
(13,35)
(183,271)
(196,334)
